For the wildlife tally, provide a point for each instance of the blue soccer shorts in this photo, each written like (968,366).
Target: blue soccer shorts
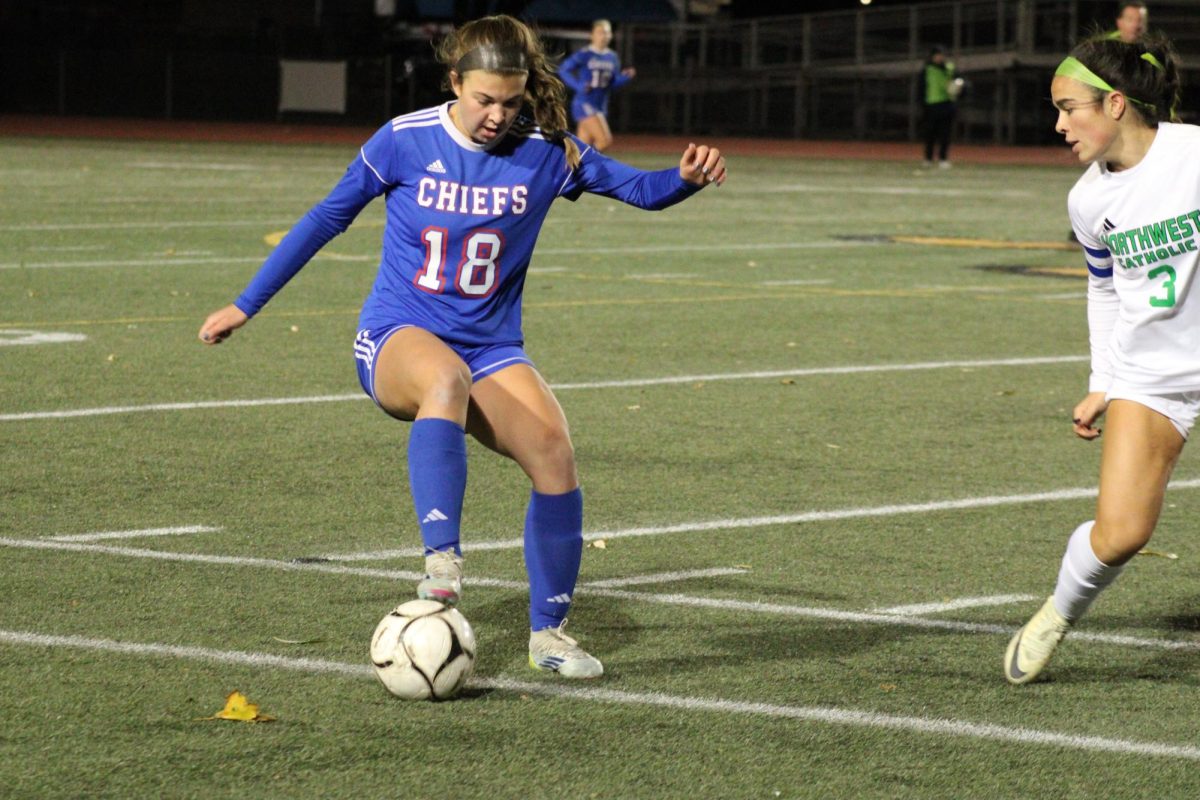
(482,360)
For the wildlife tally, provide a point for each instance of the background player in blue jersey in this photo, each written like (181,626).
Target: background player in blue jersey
(593,73)
(467,186)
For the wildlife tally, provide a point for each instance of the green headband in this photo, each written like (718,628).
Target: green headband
(1073,68)
(1154,61)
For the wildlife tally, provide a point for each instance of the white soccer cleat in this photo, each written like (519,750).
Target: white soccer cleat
(443,578)
(552,650)
(1031,648)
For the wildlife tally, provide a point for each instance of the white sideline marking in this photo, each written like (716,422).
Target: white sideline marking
(109,226)
(191,165)
(954,605)
(715,247)
(166,261)
(663,577)
(17,337)
(659,276)
(812,371)
(797,282)
(832,716)
(550,251)
(621,384)
(238,561)
(270,401)
(825,614)
(782,519)
(133,534)
(891,190)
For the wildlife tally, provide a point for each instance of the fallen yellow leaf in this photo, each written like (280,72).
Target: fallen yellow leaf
(239,708)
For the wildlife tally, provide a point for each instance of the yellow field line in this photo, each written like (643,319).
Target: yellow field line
(986,244)
(765,293)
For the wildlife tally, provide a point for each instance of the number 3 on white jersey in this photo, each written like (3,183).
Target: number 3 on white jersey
(477,271)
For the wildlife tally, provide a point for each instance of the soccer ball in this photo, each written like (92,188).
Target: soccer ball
(423,650)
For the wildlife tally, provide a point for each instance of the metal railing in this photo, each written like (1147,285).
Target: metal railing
(855,74)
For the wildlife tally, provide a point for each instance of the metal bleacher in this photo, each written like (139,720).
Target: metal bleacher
(855,74)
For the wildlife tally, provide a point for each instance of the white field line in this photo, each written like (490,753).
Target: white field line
(714,248)
(267,401)
(133,534)
(818,714)
(621,384)
(549,251)
(953,605)
(166,261)
(781,519)
(110,226)
(824,614)
(891,190)
(663,577)
(191,165)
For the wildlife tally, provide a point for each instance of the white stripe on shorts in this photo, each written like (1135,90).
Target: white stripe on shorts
(491,367)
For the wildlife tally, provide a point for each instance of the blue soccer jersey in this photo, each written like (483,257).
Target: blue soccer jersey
(592,76)
(462,220)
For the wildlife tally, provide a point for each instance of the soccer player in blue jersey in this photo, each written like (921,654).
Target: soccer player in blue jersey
(467,186)
(592,73)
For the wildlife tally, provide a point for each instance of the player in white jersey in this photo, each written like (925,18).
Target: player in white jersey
(1136,211)
(467,187)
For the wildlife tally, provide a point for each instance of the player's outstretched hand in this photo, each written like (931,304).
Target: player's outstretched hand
(1086,413)
(702,165)
(221,323)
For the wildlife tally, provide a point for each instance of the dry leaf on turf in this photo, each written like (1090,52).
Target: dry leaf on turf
(239,708)
(1146,551)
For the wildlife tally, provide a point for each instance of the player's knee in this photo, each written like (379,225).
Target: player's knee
(1118,538)
(551,449)
(448,387)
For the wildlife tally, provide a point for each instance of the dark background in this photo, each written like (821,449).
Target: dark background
(220,60)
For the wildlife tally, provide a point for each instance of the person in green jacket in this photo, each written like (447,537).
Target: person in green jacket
(1132,19)
(941,92)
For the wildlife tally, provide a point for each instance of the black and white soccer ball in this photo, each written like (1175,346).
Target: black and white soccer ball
(423,650)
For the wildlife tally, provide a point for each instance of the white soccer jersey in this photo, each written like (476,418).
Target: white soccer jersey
(1140,229)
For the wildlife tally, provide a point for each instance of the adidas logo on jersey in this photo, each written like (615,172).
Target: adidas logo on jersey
(436,166)
(435,516)
(559,598)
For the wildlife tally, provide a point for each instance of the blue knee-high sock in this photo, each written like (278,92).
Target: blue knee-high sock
(553,550)
(437,474)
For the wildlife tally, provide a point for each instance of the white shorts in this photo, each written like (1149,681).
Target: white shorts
(1181,408)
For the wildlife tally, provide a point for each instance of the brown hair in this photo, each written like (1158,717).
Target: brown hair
(1146,72)
(544,92)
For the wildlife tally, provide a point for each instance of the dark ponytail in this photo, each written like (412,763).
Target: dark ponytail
(1146,72)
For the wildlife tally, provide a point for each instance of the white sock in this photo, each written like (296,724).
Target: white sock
(1082,576)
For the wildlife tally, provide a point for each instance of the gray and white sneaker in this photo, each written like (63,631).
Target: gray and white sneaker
(1031,648)
(553,651)
(443,578)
